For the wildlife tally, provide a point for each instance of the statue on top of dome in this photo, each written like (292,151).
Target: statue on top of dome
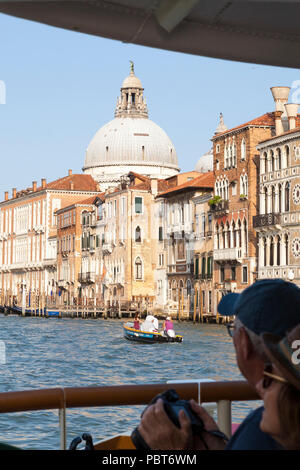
(131,67)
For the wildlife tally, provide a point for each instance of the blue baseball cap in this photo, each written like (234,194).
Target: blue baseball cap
(267,306)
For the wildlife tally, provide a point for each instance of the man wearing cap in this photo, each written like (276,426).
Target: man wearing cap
(269,305)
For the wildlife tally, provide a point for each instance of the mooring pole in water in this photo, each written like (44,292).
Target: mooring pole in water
(201,311)
(195,304)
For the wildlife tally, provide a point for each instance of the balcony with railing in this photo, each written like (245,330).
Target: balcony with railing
(266,220)
(86,278)
(180,268)
(219,208)
(228,254)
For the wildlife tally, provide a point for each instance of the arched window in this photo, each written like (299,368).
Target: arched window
(265,251)
(138,235)
(234,162)
(226,164)
(266,200)
(239,234)
(272,161)
(279,198)
(287,156)
(138,268)
(286,243)
(279,162)
(244,185)
(278,250)
(287,197)
(227,236)
(273,199)
(233,243)
(243,150)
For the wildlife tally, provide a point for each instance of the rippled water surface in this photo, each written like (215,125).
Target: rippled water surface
(44,353)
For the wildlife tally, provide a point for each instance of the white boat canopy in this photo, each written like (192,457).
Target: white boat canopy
(263,32)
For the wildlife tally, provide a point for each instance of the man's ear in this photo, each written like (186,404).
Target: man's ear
(246,347)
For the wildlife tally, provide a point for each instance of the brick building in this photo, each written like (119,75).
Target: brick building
(235,202)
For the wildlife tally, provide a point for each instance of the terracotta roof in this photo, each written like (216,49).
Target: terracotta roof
(205,180)
(267,119)
(87,201)
(77,182)
(297,129)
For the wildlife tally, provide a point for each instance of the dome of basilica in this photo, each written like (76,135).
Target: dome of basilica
(205,162)
(130,142)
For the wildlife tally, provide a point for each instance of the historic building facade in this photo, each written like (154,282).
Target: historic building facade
(28,234)
(203,255)
(179,230)
(235,203)
(278,221)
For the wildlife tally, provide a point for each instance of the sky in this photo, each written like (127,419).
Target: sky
(57,88)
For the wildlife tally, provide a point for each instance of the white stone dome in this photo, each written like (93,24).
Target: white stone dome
(205,163)
(132,82)
(128,141)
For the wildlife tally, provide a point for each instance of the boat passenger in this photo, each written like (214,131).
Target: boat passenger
(168,327)
(148,325)
(268,305)
(136,323)
(280,389)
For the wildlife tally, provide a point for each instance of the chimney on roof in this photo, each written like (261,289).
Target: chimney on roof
(69,172)
(278,123)
(292,111)
(43,182)
(72,185)
(14,193)
(98,187)
(281,96)
(33,186)
(6,196)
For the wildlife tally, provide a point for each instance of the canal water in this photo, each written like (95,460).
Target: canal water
(43,353)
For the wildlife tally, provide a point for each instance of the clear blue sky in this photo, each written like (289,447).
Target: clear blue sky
(62,86)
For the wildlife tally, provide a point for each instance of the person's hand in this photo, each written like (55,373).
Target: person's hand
(212,442)
(160,433)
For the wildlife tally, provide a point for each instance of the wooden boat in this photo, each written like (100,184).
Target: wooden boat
(148,337)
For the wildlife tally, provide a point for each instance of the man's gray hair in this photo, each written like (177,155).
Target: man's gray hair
(254,338)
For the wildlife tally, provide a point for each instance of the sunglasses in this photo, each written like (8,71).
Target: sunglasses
(268,377)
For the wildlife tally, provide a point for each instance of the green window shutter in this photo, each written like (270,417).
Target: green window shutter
(203,267)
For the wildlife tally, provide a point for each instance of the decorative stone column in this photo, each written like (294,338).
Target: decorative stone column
(276,208)
(262,201)
(261,253)
(268,251)
(282,251)
(275,241)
